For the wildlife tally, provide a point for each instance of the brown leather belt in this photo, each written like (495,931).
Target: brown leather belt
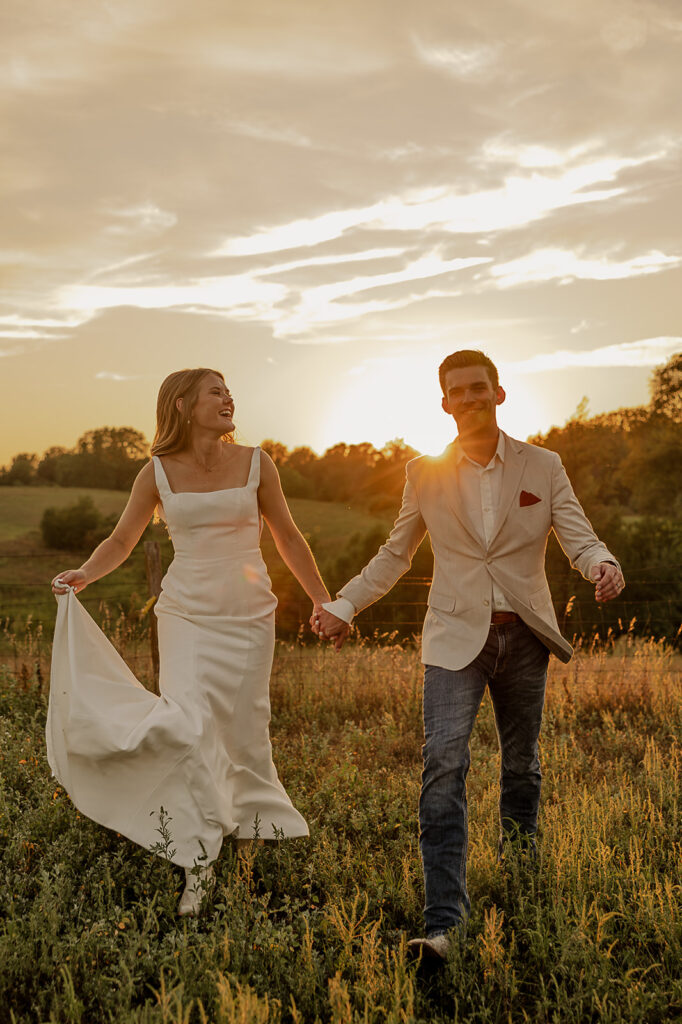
(503,618)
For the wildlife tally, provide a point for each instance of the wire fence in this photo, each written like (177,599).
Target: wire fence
(650,610)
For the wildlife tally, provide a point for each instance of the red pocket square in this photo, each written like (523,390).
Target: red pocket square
(526,498)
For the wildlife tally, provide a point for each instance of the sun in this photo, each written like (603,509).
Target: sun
(387,398)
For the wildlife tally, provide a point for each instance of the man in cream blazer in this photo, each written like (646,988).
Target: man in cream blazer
(488,504)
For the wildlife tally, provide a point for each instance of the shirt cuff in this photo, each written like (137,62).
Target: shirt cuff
(342,608)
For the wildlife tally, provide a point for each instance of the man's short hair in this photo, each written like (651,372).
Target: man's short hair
(468,357)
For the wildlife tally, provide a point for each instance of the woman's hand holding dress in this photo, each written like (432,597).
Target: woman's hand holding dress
(74,579)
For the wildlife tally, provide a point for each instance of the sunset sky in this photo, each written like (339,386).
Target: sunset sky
(322,199)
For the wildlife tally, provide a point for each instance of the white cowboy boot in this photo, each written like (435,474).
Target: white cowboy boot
(197,881)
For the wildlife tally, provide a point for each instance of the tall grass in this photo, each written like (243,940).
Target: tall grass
(314,930)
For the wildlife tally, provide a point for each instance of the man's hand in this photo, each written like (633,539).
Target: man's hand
(609,581)
(330,627)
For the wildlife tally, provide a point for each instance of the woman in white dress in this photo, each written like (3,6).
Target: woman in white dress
(201,751)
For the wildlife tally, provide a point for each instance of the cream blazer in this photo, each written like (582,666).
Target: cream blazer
(536,497)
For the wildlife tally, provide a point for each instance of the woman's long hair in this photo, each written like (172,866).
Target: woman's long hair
(172,426)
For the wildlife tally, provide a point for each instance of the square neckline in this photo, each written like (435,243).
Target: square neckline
(219,490)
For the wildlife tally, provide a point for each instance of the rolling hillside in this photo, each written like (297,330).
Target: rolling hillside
(26,566)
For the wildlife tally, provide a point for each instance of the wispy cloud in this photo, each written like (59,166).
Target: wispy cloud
(28,328)
(241,294)
(113,268)
(648,352)
(332,260)
(504,149)
(565,266)
(144,218)
(321,305)
(110,375)
(519,201)
(460,61)
(291,309)
(265,132)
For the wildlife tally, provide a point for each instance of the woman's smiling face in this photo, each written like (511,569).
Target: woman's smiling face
(214,407)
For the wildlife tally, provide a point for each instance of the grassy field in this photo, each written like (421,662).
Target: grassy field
(21,509)
(314,930)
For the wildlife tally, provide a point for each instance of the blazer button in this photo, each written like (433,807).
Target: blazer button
(486,602)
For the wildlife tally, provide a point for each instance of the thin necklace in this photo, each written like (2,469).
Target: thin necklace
(206,468)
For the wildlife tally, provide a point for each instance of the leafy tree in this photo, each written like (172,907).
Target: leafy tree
(666,389)
(651,469)
(48,467)
(111,456)
(69,528)
(302,460)
(22,470)
(114,444)
(107,457)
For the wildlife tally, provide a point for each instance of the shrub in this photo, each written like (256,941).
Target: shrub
(68,528)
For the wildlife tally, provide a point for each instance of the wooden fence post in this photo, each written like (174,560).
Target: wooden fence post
(152,562)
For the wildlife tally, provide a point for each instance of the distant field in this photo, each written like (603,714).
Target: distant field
(21,508)
(26,566)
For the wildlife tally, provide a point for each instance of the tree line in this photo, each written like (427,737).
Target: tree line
(108,458)
(625,465)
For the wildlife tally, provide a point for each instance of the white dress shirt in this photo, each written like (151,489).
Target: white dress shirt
(480,487)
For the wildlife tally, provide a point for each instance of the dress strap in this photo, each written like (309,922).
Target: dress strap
(162,484)
(254,472)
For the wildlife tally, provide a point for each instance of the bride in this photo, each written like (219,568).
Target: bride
(198,757)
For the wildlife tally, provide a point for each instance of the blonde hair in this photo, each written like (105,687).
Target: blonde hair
(173,428)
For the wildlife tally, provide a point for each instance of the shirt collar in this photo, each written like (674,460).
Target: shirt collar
(460,455)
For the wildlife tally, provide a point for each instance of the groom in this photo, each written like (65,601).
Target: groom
(488,503)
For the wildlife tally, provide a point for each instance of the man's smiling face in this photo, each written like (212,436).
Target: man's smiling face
(471,398)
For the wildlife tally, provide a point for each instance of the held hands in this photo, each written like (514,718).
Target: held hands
(72,578)
(609,581)
(329,627)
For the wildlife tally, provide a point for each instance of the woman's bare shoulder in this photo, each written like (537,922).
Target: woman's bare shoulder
(146,479)
(266,462)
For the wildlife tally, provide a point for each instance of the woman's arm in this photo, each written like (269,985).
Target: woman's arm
(289,540)
(108,555)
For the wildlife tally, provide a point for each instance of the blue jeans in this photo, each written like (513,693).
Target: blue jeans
(513,664)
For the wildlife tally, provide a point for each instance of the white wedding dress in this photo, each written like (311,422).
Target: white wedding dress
(202,749)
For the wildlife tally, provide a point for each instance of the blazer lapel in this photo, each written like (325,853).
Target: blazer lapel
(514,464)
(450,482)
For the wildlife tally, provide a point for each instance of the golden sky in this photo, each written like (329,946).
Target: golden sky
(323,199)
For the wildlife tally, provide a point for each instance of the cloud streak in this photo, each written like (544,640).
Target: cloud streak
(519,201)
(292,310)
(564,266)
(648,352)
(463,62)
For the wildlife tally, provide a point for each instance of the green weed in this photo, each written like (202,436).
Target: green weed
(315,930)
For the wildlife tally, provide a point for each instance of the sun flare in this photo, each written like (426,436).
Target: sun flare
(400,397)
